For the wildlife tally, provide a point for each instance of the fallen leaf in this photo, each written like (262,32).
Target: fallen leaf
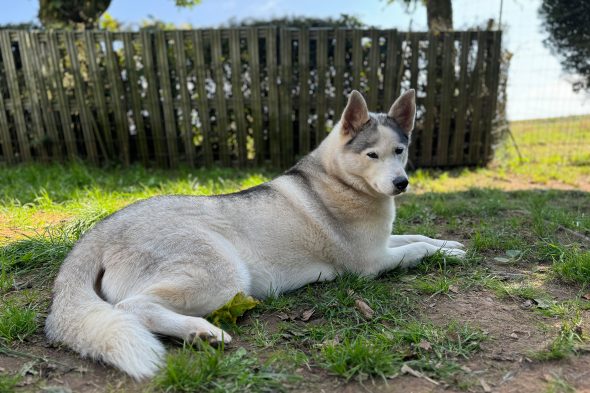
(364,308)
(282,316)
(485,386)
(586,296)
(409,370)
(502,259)
(454,288)
(544,304)
(527,304)
(425,345)
(331,343)
(307,314)
(232,310)
(513,253)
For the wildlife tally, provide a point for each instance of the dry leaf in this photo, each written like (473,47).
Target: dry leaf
(454,289)
(485,386)
(364,308)
(307,314)
(282,316)
(586,296)
(409,370)
(425,345)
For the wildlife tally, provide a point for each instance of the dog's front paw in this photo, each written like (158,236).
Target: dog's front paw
(452,244)
(453,252)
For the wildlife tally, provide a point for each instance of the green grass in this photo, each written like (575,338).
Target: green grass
(17,322)
(8,383)
(360,358)
(565,344)
(213,370)
(571,265)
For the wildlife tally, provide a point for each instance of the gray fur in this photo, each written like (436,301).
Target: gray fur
(367,136)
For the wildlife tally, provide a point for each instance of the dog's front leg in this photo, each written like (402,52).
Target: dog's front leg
(401,240)
(410,255)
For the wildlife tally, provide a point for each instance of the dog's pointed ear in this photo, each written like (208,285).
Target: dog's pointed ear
(355,114)
(403,111)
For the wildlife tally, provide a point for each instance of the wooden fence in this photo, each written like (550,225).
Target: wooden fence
(240,97)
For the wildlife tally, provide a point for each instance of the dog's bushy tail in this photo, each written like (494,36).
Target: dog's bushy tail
(82,320)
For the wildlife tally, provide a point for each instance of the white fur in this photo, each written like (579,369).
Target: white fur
(160,265)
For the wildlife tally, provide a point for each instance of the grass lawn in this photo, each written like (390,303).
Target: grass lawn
(513,316)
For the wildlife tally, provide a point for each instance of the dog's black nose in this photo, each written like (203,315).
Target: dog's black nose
(401,183)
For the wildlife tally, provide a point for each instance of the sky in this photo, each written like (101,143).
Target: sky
(537,86)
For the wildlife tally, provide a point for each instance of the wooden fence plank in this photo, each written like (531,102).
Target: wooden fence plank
(322,63)
(475,135)
(428,131)
(457,155)
(153,95)
(99,93)
(5,140)
(256,100)
(374,65)
(80,96)
(391,69)
(446,107)
(185,100)
(237,95)
(15,96)
(273,96)
(285,108)
(220,107)
(47,110)
(65,114)
(340,66)
(303,62)
(414,70)
(357,58)
(117,98)
(203,105)
(135,98)
(28,69)
(492,80)
(87,130)
(167,99)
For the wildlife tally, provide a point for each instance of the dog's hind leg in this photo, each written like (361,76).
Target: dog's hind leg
(159,319)
(402,240)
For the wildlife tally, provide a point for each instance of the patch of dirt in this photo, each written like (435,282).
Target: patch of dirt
(42,219)
(53,367)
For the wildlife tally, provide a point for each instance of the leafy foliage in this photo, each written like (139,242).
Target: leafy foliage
(566,21)
(232,310)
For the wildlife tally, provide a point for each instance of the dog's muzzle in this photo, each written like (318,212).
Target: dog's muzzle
(400,184)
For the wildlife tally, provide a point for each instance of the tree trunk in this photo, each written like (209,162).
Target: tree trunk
(440,15)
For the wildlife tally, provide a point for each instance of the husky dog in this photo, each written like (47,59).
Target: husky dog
(161,264)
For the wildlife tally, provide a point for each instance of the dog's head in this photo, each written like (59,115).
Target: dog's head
(374,146)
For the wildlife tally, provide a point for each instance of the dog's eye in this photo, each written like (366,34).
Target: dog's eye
(399,150)
(373,155)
